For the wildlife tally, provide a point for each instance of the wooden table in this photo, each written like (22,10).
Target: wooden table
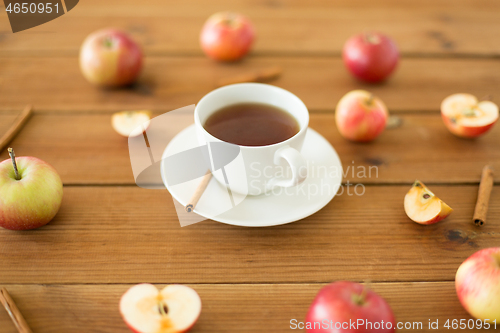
(109,234)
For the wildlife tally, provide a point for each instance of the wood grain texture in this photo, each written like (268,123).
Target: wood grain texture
(131,235)
(85,149)
(319,26)
(56,84)
(226,308)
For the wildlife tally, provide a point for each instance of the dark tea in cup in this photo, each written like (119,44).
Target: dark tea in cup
(252,124)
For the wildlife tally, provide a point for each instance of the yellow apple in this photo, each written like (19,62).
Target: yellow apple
(31,192)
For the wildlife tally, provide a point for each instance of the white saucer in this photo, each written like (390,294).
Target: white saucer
(324,180)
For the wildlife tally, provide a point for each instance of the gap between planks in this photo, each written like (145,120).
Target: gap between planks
(258,54)
(382,184)
(319,283)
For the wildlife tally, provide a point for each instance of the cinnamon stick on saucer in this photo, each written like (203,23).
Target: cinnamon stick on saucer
(262,75)
(483,196)
(14,312)
(199,192)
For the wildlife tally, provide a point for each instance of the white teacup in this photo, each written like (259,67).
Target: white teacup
(257,173)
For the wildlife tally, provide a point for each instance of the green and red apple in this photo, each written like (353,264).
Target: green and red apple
(466,117)
(423,206)
(175,308)
(360,116)
(30,199)
(110,58)
(478,284)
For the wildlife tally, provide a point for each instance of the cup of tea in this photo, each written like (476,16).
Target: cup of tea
(267,123)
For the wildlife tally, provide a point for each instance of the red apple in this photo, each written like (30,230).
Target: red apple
(174,309)
(465,117)
(478,284)
(110,58)
(360,116)
(131,123)
(371,57)
(227,36)
(423,206)
(31,198)
(349,307)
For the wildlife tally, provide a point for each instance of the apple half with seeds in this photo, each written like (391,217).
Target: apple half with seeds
(465,117)
(422,206)
(145,309)
(131,123)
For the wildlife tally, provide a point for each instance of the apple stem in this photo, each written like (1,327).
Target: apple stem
(13,158)
(108,42)
(370,38)
(370,99)
(361,298)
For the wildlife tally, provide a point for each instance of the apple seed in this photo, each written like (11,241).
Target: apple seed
(163,309)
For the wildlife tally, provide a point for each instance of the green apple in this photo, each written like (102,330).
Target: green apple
(30,193)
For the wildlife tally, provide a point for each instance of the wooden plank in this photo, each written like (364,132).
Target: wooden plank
(319,27)
(56,84)
(130,235)
(85,149)
(226,308)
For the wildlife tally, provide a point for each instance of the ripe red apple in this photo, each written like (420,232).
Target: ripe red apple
(423,206)
(478,284)
(465,117)
(371,57)
(131,123)
(227,36)
(360,116)
(31,197)
(344,302)
(110,58)
(174,309)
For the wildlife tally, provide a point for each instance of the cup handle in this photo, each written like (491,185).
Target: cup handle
(297,163)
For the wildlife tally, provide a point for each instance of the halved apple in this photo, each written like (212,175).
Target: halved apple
(145,309)
(465,117)
(131,123)
(422,206)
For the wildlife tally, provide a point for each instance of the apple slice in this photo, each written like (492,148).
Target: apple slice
(422,206)
(465,117)
(147,310)
(131,123)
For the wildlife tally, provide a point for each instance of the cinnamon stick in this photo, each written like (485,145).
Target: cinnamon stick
(483,196)
(14,312)
(264,75)
(199,192)
(16,127)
